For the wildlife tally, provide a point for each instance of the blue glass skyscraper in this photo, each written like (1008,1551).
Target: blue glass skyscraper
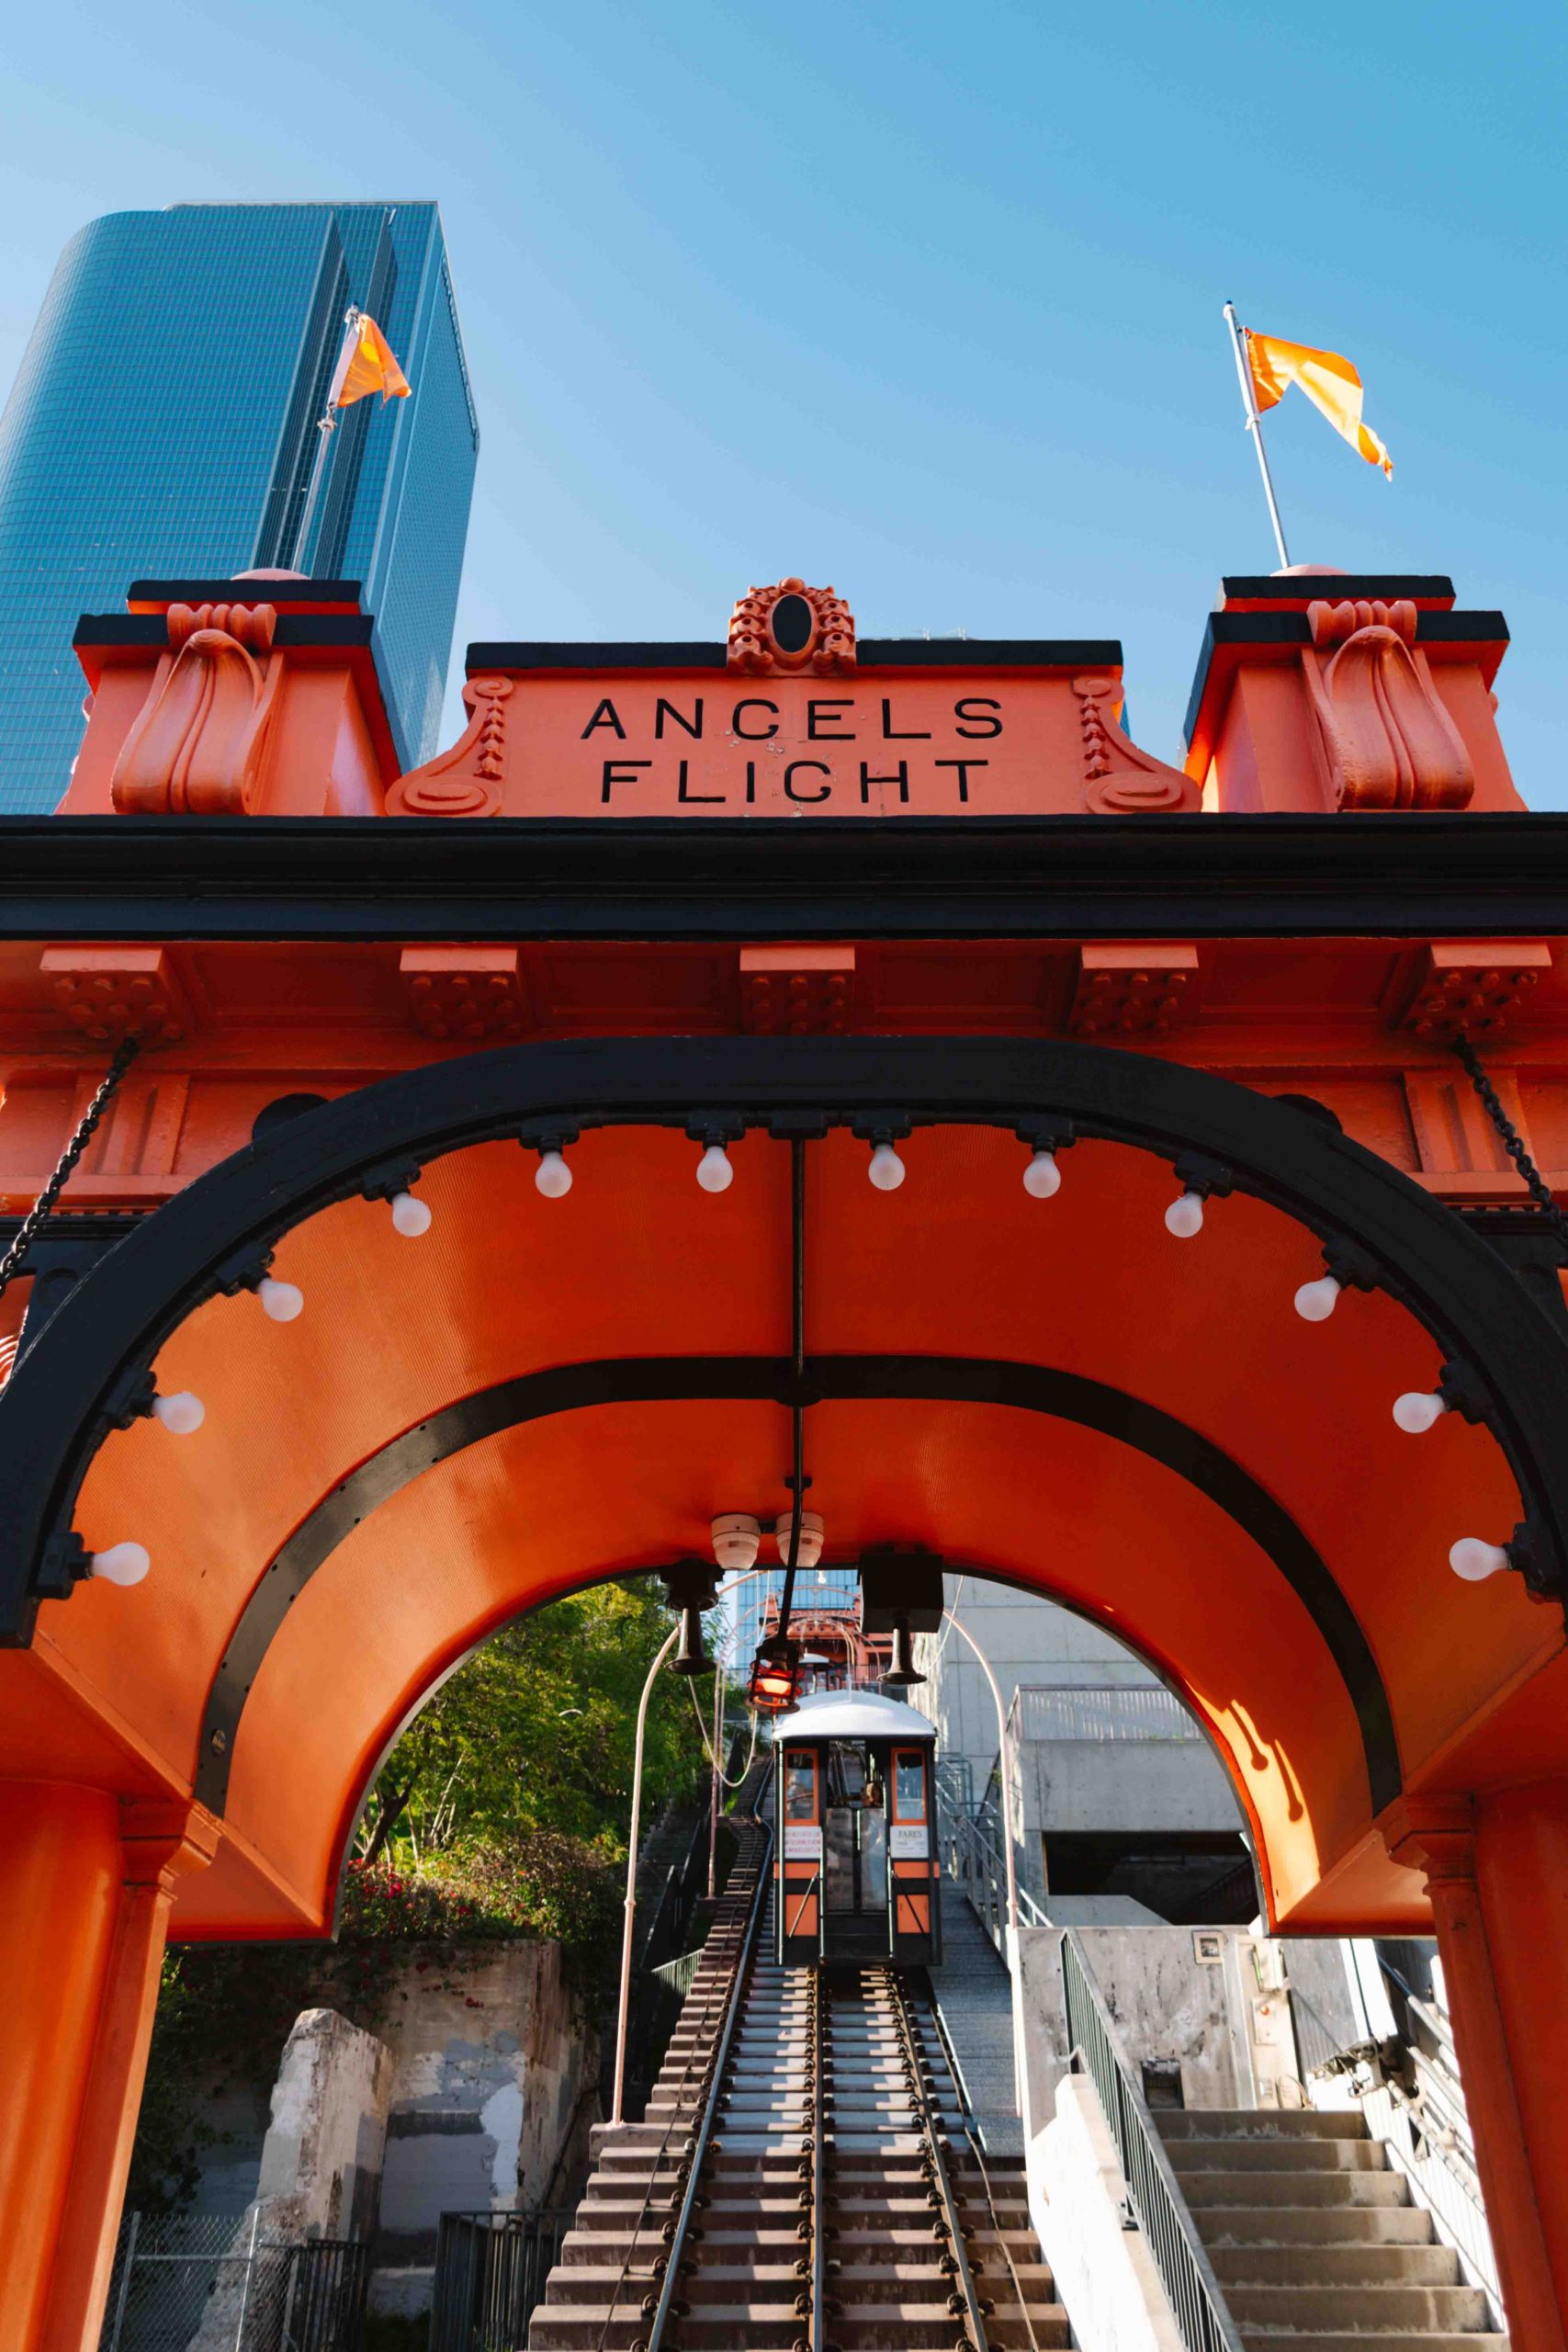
(162,425)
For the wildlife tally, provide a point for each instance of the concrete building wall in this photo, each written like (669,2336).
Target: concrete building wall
(493,2068)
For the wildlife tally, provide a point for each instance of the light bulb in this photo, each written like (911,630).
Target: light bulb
(1475,1561)
(1184,1218)
(1315,1301)
(887,1170)
(1417,1409)
(180,1413)
(715,1173)
(411,1217)
(552,1176)
(809,1549)
(122,1564)
(282,1301)
(1042,1177)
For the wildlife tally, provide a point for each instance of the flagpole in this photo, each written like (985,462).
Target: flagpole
(326,426)
(1255,426)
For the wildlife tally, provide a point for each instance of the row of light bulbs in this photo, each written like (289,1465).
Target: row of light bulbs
(1417,1410)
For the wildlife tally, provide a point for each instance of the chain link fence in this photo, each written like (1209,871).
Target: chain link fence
(212,2282)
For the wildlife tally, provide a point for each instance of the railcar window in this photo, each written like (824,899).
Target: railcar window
(908,1785)
(800,1788)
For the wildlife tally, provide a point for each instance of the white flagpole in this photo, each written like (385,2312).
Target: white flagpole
(326,426)
(1255,426)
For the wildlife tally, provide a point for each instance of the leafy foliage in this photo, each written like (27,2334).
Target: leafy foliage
(537,1732)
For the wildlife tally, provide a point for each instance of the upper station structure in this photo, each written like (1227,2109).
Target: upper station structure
(1210,1110)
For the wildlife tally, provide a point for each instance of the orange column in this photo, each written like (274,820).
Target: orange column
(1522,1871)
(85,1890)
(59,1867)
(1439,1836)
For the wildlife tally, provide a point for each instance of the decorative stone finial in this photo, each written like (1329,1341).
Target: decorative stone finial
(791,628)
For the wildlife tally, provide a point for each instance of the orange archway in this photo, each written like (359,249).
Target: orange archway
(539,1392)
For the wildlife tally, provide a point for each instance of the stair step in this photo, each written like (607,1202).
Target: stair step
(1221,2225)
(1335,2265)
(1301,2189)
(1345,2309)
(1276,2153)
(1260,2123)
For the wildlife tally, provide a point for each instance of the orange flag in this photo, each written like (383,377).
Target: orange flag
(1329,382)
(366,364)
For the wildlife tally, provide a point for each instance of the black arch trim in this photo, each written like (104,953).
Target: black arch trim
(1035,1388)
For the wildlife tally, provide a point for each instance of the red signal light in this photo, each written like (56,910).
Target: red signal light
(775,1687)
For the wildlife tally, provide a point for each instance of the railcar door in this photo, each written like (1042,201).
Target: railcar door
(798,1887)
(912,1858)
(855,1855)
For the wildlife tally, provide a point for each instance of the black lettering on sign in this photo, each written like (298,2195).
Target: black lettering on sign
(822,769)
(867,780)
(620,772)
(692,726)
(754,734)
(751,784)
(829,710)
(964,767)
(986,713)
(710,798)
(605,716)
(891,734)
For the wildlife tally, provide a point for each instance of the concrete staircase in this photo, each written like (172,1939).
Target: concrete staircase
(1314,2237)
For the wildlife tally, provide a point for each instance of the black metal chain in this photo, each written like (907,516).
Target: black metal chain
(1513,1143)
(125,1053)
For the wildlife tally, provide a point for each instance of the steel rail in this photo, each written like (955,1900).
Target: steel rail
(967,2118)
(966,2297)
(677,2120)
(818,2164)
(664,2309)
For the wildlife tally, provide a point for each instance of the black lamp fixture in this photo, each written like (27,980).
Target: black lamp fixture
(901,1594)
(691,1586)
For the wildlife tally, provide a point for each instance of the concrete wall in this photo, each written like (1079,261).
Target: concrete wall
(1104,2274)
(1151,1785)
(493,2068)
(320,2172)
(1218,2021)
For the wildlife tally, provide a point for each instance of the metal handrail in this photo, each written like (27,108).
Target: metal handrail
(699,2144)
(1186,2273)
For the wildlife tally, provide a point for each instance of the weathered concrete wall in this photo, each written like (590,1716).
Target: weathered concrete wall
(1166,2005)
(321,2161)
(319,2174)
(493,2068)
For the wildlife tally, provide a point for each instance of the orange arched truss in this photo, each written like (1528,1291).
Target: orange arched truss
(539,1393)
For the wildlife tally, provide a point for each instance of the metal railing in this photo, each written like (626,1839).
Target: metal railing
(1070,1711)
(212,2281)
(973,1860)
(490,2270)
(1192,2289)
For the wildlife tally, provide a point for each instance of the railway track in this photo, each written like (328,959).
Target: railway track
(805,2178)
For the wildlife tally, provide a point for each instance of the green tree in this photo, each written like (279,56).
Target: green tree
(537,1732)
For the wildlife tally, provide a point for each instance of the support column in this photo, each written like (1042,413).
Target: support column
(1522,1871)
(1438,1837)
(85,1891)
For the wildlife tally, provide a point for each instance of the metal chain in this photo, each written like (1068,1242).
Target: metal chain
(1513,1142)
(125,1053)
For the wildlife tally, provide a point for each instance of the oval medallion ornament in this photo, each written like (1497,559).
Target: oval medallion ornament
(790,626)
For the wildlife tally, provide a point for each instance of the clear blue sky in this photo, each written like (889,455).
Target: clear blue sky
(921,301)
